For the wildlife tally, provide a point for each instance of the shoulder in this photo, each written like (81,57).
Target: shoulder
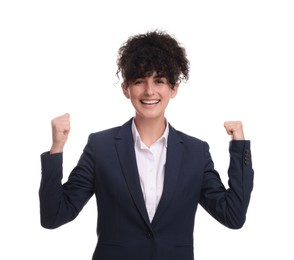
(183,136)
(106,132)
(104,137)
(112,133)
(186,139)
(189,138)
(192,146)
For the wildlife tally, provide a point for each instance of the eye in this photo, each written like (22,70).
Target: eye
(160,81)
(138,82)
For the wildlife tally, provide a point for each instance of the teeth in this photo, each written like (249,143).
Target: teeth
(150,102)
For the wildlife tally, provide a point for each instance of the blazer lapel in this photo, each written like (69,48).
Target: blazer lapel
(172,171)
(125,148)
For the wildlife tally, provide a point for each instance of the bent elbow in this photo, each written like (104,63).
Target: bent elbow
(237,223)
(47,224)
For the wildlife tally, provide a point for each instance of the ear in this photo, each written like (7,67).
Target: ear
(174,90)
(125,90)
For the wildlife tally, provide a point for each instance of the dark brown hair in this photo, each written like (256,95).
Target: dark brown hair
(156,51)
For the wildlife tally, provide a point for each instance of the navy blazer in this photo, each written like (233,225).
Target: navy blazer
(108,169)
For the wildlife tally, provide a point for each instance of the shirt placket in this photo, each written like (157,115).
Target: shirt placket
(151,194)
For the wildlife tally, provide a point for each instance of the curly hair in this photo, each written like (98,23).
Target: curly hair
(156,51)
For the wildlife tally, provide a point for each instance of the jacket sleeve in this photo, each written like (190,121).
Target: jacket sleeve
(229,206)
(61,203)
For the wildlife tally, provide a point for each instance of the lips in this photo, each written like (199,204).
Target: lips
(150,102)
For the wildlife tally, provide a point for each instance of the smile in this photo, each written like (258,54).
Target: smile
(150,102)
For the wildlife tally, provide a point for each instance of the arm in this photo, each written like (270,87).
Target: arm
(229,206)
(61,203)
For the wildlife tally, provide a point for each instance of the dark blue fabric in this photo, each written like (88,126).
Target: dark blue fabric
(108,169)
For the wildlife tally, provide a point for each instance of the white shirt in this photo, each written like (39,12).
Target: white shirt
(151,166)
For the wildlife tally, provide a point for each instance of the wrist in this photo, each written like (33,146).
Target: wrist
(56,149)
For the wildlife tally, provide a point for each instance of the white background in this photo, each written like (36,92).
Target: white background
(60,56)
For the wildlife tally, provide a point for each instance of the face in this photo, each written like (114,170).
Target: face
(150,96)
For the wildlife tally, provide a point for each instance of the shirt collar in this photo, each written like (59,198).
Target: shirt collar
(137,138)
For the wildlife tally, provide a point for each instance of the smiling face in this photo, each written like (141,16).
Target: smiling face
(150,96)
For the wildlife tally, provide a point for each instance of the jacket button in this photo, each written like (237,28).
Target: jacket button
(149,235)
(247,157)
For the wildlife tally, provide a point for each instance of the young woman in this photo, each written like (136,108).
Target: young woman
(148,178)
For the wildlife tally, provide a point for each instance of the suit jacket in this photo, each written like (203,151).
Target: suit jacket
(108,169)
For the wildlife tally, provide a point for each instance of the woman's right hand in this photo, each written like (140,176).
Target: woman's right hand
(60,131)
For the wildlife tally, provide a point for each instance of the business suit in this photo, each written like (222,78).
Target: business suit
(108,169)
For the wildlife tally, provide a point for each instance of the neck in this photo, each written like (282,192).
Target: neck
(150,130)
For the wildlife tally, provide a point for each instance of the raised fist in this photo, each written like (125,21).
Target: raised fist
(235,129)
(60,130)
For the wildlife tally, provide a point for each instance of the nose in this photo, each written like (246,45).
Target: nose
(149,88)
